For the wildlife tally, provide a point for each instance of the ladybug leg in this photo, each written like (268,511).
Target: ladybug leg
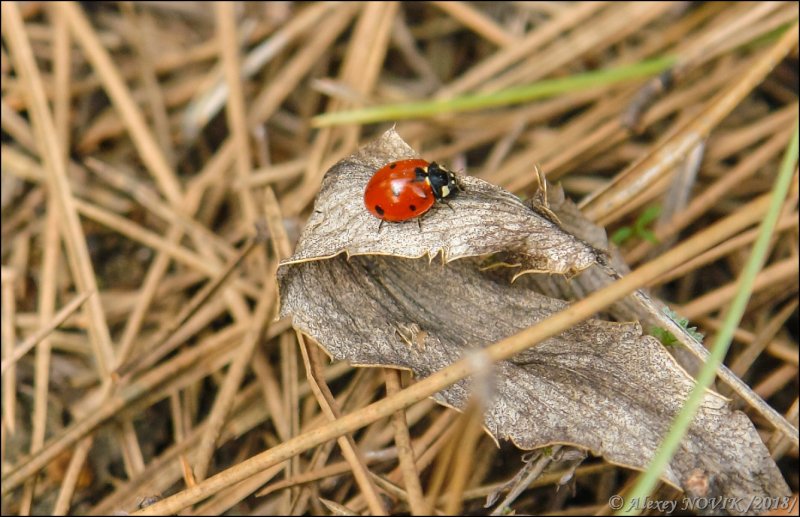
(448,205)
(419,223)
(380,225)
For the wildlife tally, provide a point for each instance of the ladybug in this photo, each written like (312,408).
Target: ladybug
(405,189)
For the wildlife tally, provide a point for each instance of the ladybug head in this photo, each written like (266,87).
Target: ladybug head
(443,181)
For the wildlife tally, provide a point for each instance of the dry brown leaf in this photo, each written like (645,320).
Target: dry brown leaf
(482,220)
(370,297)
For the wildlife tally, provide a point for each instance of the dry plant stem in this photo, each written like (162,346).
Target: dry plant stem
(9,332)
(711,43)
(640,197)
(274,173)
(711,195)
(269,99)
(788,221)
(264,313)
(549,478)
(505,57)
(164,64)
(663,158)
(381,433)
(486,452)
(611,26)
(226,499)
(215,167)
(532,475)
(593,132)
(47,301)
(235,111)
(62,63)
(41,334)
(53,158)
(394,491)
(745,359)
(125,396)
(146,237)
(404,42)
(282,248)
(107,125)
(281,245)
(141,34)
(349,449)
(335,508)
(698,51)
(727,144)
(296,200)
(477,21)
(210,97)
(287,140)
(778,273)
(355,394)
(291,400)
(439,430)
(207,264)
(463,461)
(436,480)
(334,469)
(55,165)
(119,93)
(79,456)
(134,464)
(776,380)
(17,127)
(163,471)
(402,440)
(677,195)
(19,259)
(269,388)
(364,59)
(778,444)
(501,350)
(193,326)
(161,345)
(152,201)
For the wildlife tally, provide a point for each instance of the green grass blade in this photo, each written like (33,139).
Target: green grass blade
(537,90)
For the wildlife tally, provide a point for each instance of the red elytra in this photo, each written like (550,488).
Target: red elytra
(406,189)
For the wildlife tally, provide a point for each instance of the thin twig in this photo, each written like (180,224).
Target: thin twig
(52,154)
(349,449)
(150,152)
(33,340)
(416,499)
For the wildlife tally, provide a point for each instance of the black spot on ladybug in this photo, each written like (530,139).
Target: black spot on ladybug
(392,165)
(379,209)
(413,208)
